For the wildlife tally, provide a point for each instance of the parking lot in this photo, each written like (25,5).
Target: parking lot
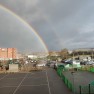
(37,82)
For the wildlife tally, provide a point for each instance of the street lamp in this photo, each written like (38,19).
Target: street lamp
(73,81)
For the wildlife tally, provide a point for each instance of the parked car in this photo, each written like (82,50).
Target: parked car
(89,63)
(72,62)
(83,62)
(41,64)
(50,63)
(68,61)
(6,66)
(76,62)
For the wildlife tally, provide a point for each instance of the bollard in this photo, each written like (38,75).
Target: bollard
(80,89)
(89,89)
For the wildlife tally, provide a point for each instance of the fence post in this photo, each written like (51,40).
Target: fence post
(89,89)
(80,89)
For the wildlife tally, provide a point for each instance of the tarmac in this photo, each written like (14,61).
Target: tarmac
(80,78)
(36,82)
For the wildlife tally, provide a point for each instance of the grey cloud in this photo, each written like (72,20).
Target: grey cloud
(16,34)
(61,23)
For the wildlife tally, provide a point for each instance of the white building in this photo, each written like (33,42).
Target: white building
(31,56)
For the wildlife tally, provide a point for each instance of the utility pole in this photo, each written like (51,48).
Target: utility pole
(73,55)
(73,75)
(92,54)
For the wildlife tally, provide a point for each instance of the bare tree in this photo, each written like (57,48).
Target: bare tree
(64,53)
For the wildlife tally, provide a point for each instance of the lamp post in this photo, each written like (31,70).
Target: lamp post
(92,54)
(73,81)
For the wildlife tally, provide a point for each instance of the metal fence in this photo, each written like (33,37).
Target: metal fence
(89,89)
(66,81)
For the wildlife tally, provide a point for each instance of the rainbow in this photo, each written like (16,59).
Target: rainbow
(27,25)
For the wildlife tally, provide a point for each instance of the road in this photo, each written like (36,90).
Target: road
(38,82)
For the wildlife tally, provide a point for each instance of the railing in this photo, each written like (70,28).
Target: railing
(66,81)
(89,89)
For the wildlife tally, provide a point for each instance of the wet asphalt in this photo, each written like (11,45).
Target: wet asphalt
(36,82)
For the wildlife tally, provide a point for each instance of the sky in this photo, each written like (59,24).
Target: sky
(60,23)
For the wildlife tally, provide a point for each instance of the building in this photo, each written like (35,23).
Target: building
(31,56)
(83,53)
(54,53)
(8,53)
(20,56)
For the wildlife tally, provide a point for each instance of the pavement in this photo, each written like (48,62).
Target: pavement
(37,82)
(80,78)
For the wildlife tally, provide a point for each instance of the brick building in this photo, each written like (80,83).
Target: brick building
(8,53)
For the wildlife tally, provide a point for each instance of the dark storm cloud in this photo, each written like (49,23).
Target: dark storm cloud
(61,23)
